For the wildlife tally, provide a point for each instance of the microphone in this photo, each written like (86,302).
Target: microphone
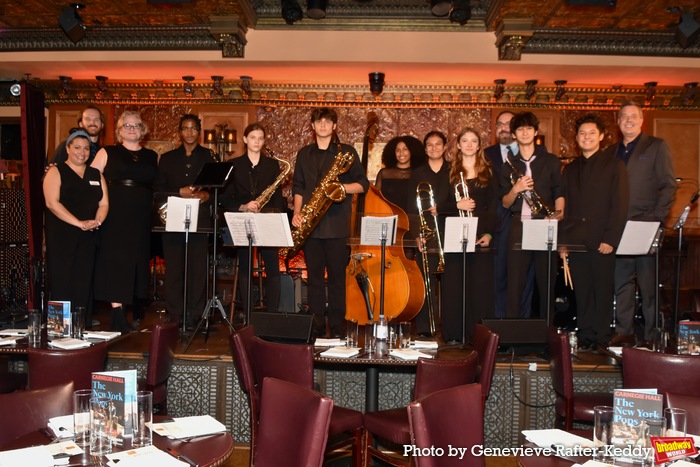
(248,228)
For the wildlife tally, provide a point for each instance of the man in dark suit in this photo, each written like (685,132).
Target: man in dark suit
(496,155)
(652,188)
(596,191)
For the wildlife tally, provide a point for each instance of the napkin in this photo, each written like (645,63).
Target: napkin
(38,456)
(104,335)
(341,352)
(13,332)
(68,343)
(323,342)
(147,457)
(62,427)
(408,354)
(547,438)
(616,350)
(9,340)
(189,427)
(424,344)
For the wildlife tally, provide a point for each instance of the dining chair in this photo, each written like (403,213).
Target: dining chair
(10,381)
(161,354)
(451,418)
(390,427)
(679,374)
(294,424)
(485,343)
(50,367)
(24,412)
(692,406)
(570,405)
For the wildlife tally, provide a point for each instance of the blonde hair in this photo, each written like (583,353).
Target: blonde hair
(120,124)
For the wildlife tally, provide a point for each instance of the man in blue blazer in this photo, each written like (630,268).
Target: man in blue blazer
(652,184)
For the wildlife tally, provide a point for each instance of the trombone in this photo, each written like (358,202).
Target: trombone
(462,192)
(426,201)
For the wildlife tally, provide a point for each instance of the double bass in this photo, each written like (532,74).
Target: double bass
(404,291)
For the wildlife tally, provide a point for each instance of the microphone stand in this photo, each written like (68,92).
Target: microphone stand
(188,219)
(465,241)
(679,226)
(249,291)
(550,244)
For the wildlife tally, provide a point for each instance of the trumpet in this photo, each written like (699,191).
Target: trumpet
(462,192)
(425,201)
(537,205)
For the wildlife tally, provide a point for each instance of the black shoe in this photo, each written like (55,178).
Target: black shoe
(119,322)
(586,344)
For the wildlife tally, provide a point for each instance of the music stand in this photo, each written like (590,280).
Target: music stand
(378,230)
(460,237)
(182,213)
(213,175)
(541,235)
(259,229)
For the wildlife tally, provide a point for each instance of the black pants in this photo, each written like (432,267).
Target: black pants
(270,258)
(423,316)
(174,253)
(594,285)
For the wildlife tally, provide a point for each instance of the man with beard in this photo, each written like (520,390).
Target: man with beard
(92,121)
(496,155)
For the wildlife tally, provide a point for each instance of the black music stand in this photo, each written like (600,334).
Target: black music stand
(460,233)
(378,231)
(213,175)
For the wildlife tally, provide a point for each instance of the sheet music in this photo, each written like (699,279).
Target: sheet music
(637,238)
(537,233)
(178,210)
(268,229)
(372,230)
(457,228)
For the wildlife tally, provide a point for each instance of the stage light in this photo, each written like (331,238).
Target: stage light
(376,83)
(216,86)
(530,90)
(687,30)
(71,22)
(187,87)
(460,12)
(65,84)
(291,11)
(316,9)
(691,90)
(101,83)
(499,89)
(561,90)
(651,91)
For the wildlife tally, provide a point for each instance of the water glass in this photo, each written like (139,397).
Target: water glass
(369,338)
(660,342)
(143,419)
(81,416)
(676,420)
(602,430)
(351,333)
(77,327)
(651,426)
(100,426)
(34,328)
(404,334)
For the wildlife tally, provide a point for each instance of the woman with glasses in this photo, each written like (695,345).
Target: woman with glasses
(121,271)
(177,170)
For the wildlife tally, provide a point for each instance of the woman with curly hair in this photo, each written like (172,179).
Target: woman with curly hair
(401,155)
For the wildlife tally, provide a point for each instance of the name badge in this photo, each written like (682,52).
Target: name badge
(94,183)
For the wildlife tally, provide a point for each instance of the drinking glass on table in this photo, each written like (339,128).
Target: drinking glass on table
(81,416)
(100,426)
(676,420)
(651,426)
(602,430)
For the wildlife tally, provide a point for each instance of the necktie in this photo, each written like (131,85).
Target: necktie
(509,151)
(526,212)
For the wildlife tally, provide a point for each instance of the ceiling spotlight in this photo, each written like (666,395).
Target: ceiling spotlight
(71,22)
(376,83)
(65,84)
(687,30)
(460,12)
(291,11)
(440,7)
(561,90)
(316,9)
(691,90)
(216,86)
(101,83)
(16,89)
(530,90)
(187,87)
(499,89)
(245,85)
(651,90)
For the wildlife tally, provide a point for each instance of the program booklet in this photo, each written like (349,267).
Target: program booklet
(689,337)
(120,388)
(631,407)
(58,319)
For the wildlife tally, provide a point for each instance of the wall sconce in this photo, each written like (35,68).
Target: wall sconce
(291,11)
(691,90)
(187,87)
(316,9)
(539,140)
(71,22)
(220,140)
(651,91)
(245,85)
(440,7)
(376,83)
(499,89)
(101,83)
(460,12)
(217,87)
(530,90)
(65,84)
(561,90)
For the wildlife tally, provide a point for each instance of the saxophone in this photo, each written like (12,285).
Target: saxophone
(266,195)
(329,191)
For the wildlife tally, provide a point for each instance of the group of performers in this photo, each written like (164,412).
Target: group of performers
(502,185)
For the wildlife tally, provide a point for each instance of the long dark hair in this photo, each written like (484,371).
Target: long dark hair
(481,165)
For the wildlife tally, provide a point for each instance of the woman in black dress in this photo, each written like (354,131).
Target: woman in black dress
(121,273)
(77,204)
(400,156)
(481,199)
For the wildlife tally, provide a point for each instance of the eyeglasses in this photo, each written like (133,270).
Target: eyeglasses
(132,126)
(503,124)
(189,128)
